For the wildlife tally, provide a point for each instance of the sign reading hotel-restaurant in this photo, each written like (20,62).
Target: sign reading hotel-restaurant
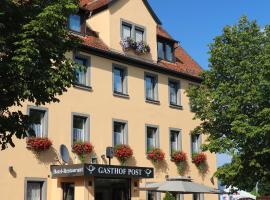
(101,171)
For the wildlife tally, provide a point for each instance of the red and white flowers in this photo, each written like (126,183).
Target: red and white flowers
(155,155)
(82,149)
(123,152)
(200,160)
(38,144)
(180,159)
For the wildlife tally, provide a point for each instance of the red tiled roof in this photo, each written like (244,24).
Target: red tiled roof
(163,33)
(95,42)
(93,4)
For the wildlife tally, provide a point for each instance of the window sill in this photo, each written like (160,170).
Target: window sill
(175,106)
(82,87)
(152,101)
(76,33)
(121,95)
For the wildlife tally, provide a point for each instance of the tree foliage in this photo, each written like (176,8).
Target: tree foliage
(33,41)
(233,103)
(169,196)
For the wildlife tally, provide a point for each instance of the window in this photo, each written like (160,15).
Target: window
(152,139)
(35,190)
(175,140)
(39,120)
(165,51)
(68,191)
(198,197)
(153,196)
(119,80)
(74,23)
(126,30)
(174,92)
(139,34)
(80,128)
(178,196)
(151,87)
(82,73)
(196,140)
(119,133)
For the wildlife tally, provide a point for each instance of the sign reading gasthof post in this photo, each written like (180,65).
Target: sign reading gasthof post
(101,171)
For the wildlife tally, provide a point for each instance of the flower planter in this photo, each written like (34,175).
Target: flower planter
(123,153)
(200,160)
(156,155)
(140,48)
(38,144)
(180,159)
(82,149)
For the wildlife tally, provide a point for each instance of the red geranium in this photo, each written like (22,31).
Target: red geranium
(156,155)
(39,144)
(198,158)
(82,149)
(123,152)
(179,156)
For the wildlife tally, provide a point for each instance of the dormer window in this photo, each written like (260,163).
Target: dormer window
(165,51)
(74,23)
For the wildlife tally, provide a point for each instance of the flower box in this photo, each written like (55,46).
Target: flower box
(139,47)
(199,159)
(38,144)
(155,155)
(82,149)
(180,159)
(123,153)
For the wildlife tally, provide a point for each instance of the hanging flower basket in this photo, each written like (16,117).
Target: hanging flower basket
(123,153)
(138,47)
(38,144)
(82,149)
(180,159)
(200,160)
(156,155)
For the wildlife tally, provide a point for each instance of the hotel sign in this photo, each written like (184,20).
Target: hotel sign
(101,171)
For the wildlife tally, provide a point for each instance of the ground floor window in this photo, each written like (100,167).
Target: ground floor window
(198,197)
(153,196)
(68,191)
(35,190)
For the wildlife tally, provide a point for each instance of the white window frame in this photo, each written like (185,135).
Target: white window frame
(157,138)
(86,134)
(125,131)
(44,120)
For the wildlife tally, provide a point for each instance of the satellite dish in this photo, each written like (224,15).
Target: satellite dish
(64,153)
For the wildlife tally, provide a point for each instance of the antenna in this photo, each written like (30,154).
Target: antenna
(64,153)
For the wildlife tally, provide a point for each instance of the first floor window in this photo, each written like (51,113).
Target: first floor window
(175,141)
(119,133)
(151,137)
(151,87)
(38,122)
(120,80)
(81,72)
(34,190)
(196,140)
(74,23)
(79,129)
(68,191)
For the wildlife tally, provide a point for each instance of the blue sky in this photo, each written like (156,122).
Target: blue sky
(195,23)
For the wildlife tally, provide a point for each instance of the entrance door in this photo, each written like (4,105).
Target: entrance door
(112,189)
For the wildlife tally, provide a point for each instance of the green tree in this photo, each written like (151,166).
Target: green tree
(169,196)
(233,103)
(33,67)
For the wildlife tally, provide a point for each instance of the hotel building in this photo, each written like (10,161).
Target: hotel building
(127,95)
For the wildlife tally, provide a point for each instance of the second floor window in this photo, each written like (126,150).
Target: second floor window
(126,31)
(74,23)
(81,74)
(139,34)
(80,128)
(119,80)
(175,140)
(39,122)
(151,87)
(119,133)
(196,141)
(151,138)
(174,92)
